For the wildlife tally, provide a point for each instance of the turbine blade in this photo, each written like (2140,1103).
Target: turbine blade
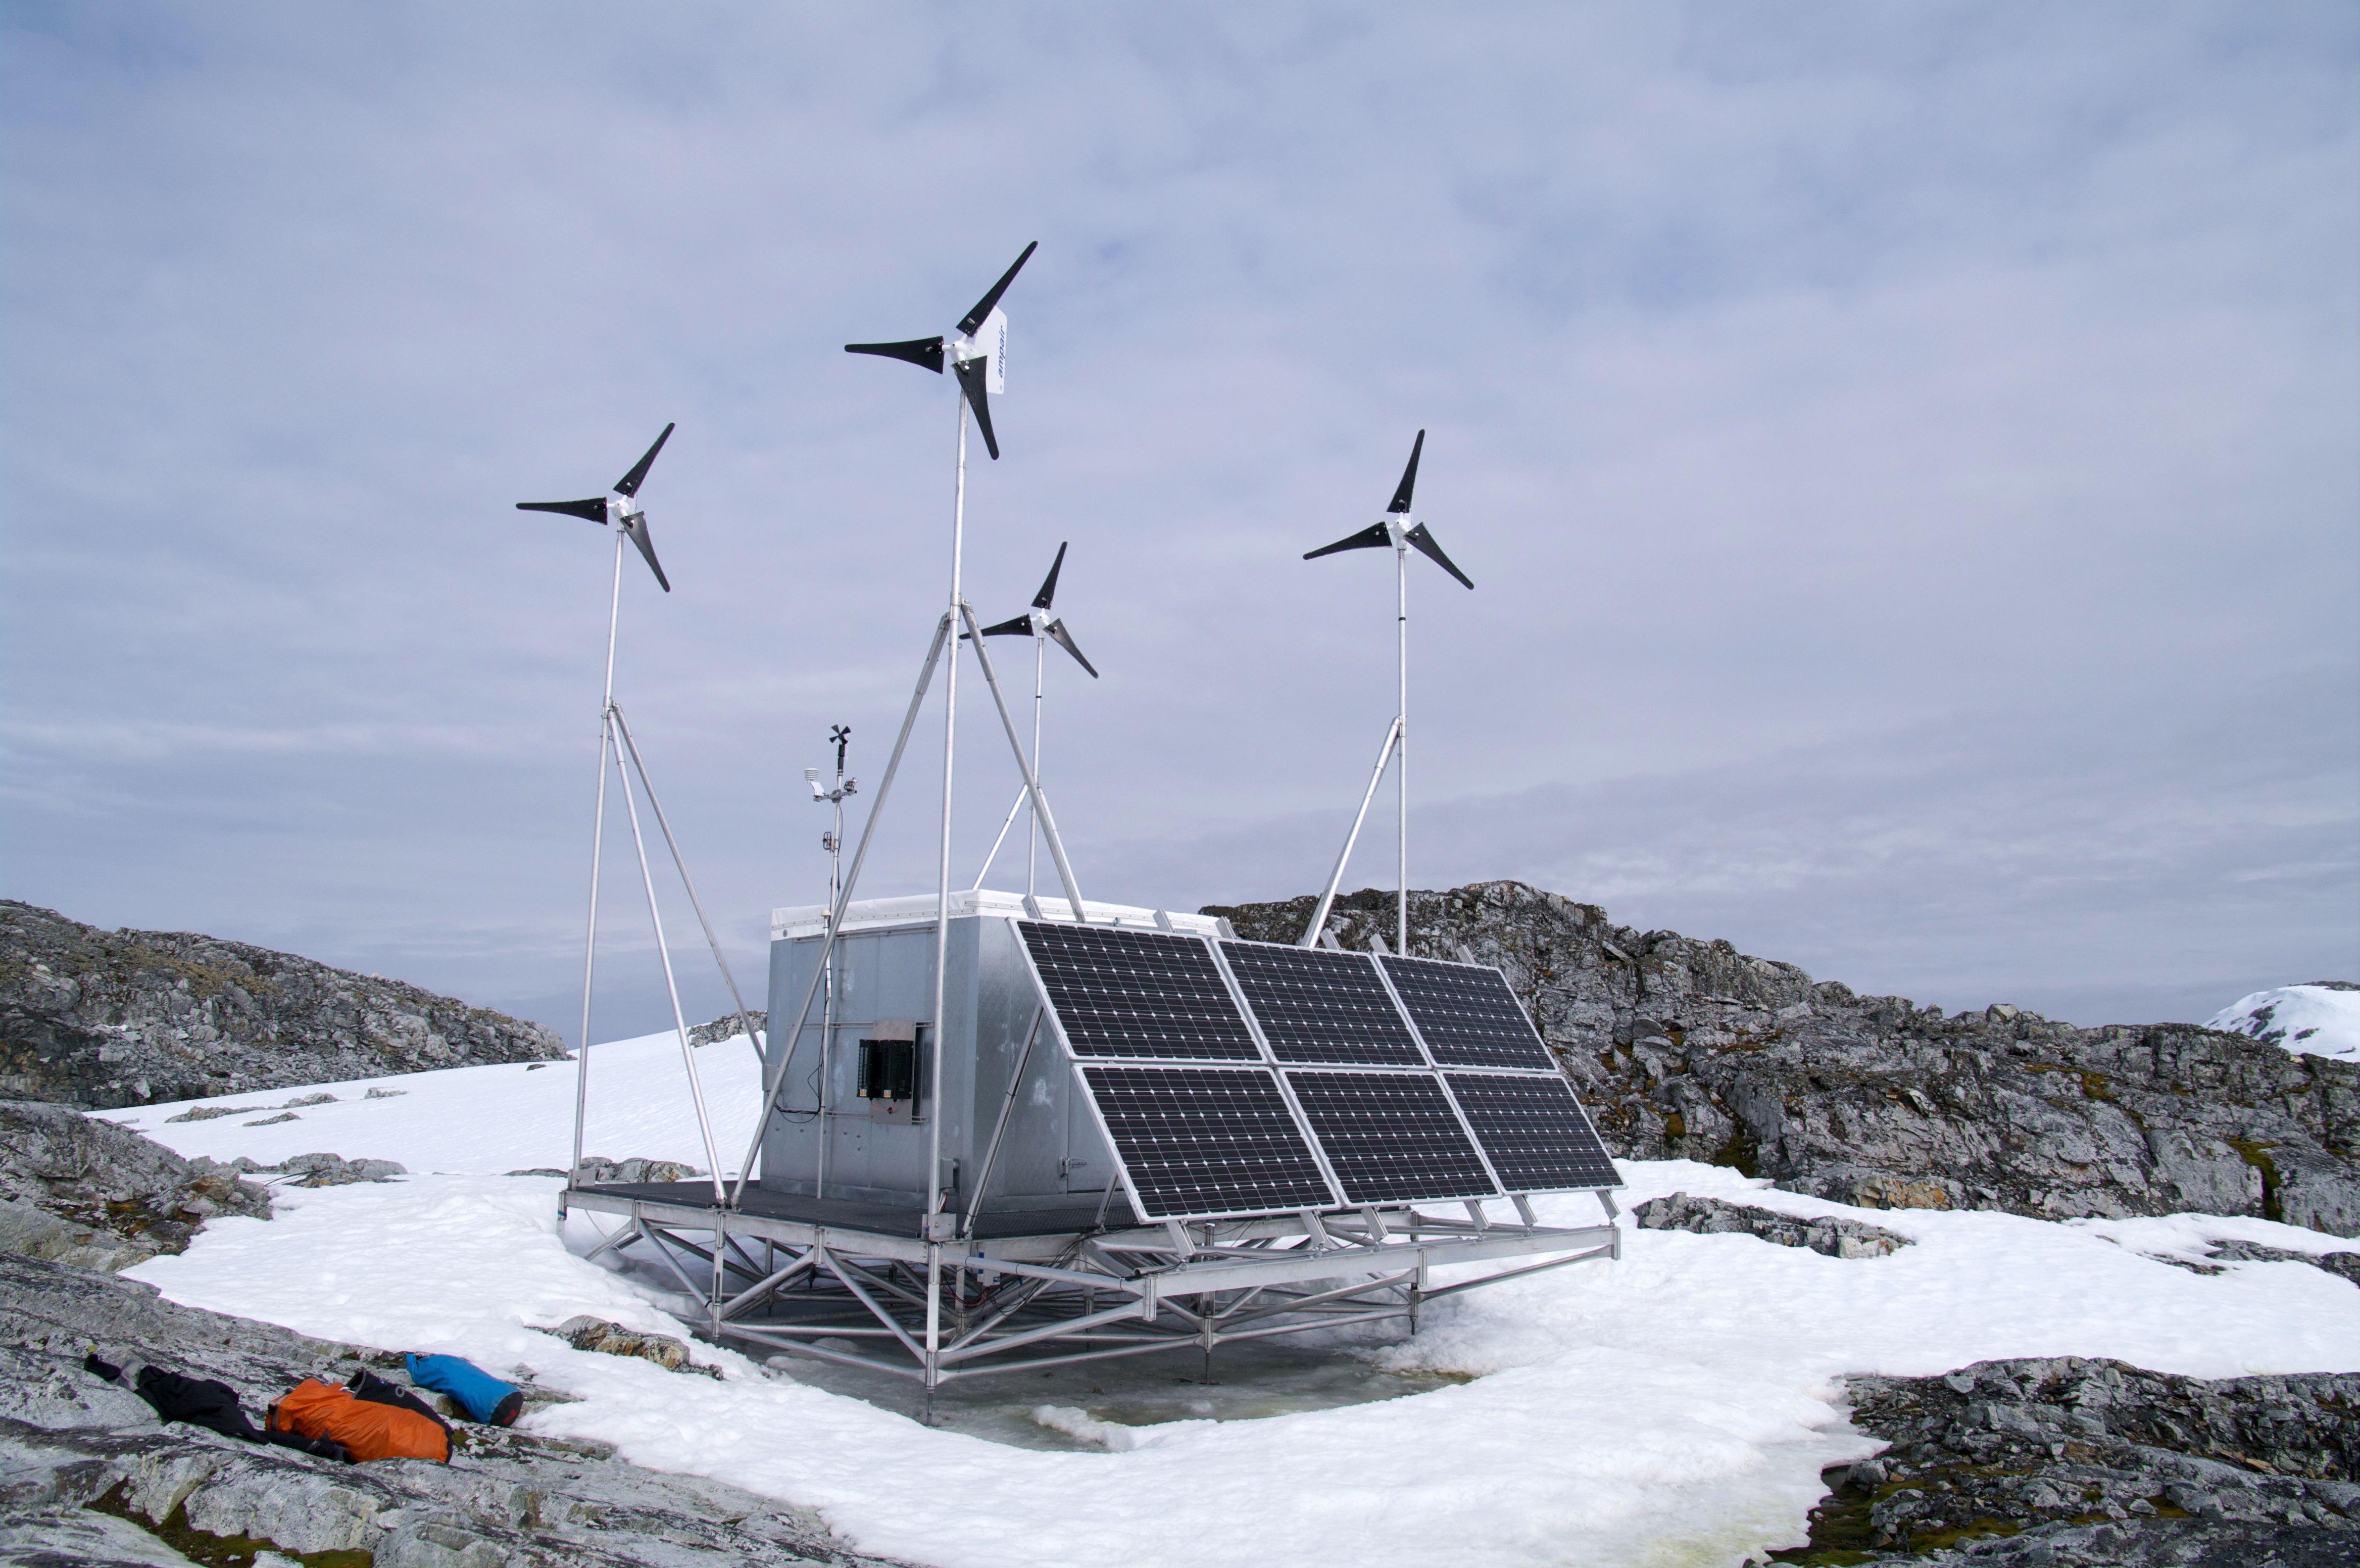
(636,525)
(1049,584)
(1427,547)
(974,318)
(1374,537)
(592,511)
(972,375)
(1409,476)
(1064,639)
(927,353)
(629,485)
(1020,626)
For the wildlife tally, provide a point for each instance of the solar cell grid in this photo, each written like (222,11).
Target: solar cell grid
(1390,1137)
(1467,1014)
(1539,1137)
(1317,1005)
(1207,1141)
(1137,993)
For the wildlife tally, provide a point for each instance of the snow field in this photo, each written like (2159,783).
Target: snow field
(1674,1408)
(2312,1018)
(499,1117)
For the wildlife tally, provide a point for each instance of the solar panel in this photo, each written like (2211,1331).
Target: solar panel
(1467,1014)
(1539,1138)
(1137,993)
(1200,1142)
(1315,1005)
(1390,1137)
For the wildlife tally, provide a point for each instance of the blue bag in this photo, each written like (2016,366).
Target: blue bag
(480,1394)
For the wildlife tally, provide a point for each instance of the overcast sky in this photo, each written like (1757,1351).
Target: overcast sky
(1909,456)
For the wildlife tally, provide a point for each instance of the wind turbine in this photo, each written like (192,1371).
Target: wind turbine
(977,351)
(1400,530)
(1035,623)
(621,507)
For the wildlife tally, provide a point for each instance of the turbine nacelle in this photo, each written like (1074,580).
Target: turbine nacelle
(618,507)
(977,349)
(1035,621)
(1398,531)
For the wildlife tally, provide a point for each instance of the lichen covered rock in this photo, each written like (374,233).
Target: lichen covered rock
(105,1019)
(1690,1050)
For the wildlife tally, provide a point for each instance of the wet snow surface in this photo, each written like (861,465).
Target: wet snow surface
(2319,1019)
(1673,1407)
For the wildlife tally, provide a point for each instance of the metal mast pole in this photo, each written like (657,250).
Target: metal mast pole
(943,928)
(1032,828)
(598,842)
(827,980)
(1401,778)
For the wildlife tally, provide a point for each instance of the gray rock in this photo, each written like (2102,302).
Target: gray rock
(80,1190)
(87,1472)
(114,1018)
(45,1391)
(1690,1050)
(2346,1264)
(332,1170)
(586,1332)
(2073,1461)
(80,1538)
(598,1169)
(726,1027)
(1830,1235)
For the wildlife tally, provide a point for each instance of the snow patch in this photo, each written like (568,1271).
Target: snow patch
(1673,1406)
(2320,1020)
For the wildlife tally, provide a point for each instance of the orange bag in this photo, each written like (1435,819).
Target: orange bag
(366,1429)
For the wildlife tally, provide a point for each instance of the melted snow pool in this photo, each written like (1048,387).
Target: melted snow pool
(1095,1407)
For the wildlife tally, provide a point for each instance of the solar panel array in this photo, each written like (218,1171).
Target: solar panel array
(1539,1137)
(1137,993)
(1321,1006)
(1468,1015)
(1390,1137)
(1337,1082)
(1207,1140)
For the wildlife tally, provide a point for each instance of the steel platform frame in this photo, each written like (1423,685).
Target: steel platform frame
(1044,1293)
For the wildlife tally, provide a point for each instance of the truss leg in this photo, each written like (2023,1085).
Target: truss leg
(934,1324)
(753,1041)
(720,1263)
(671,987)
(1327,899)
(1024,765)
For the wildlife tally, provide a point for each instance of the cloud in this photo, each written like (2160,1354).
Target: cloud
(1806,387)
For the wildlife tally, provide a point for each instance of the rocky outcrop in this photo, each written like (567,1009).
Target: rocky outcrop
(88,1475)
(586,1332)
(2069,1461)
(323,1169)
(1686,1048)
(104,1019)
(726,1027)
(77,1189)
(1830,1235)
